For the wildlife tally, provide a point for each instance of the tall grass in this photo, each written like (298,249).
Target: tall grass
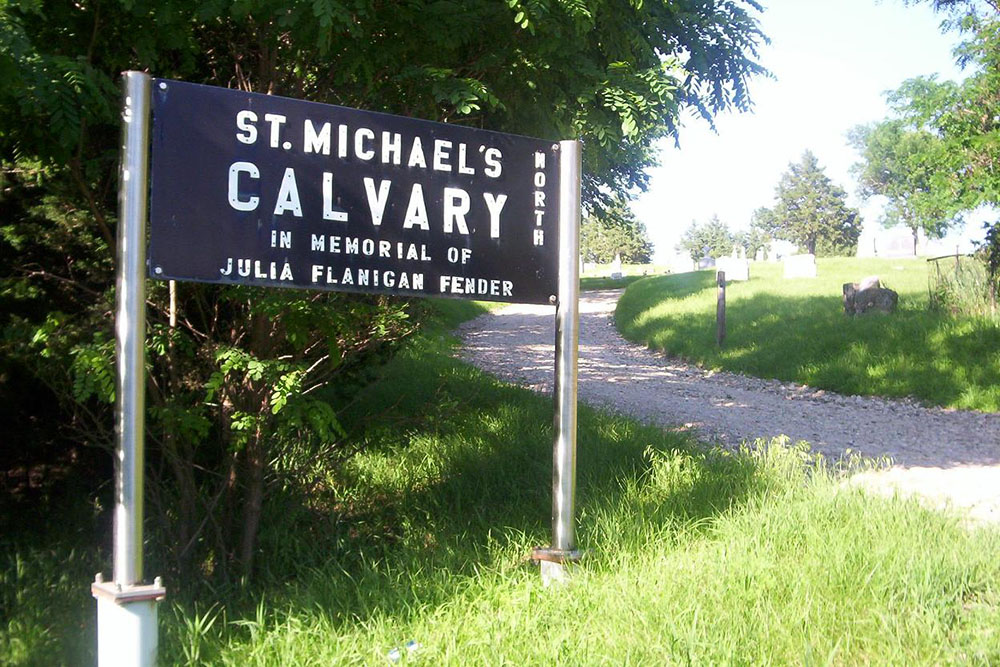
(961,286)
(694,555)
(796,330)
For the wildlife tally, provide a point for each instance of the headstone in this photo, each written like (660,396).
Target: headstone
(800,266)
(868,283)
(616,267)
(873,298)
(706,262)
(736,269)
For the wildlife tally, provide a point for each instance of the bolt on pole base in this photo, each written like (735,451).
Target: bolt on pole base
(127,622)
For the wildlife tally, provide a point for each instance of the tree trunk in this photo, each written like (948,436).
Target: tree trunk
(255,454)
(254,500)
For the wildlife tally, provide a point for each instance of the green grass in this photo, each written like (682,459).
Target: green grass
(598,277)
(693,555)
(796,330)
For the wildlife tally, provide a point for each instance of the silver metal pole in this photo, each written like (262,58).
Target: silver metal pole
(127,609)
(567,338)
(130,324)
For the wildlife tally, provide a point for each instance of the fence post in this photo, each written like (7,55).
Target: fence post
(720,310)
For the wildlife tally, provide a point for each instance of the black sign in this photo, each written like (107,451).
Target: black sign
(256,189)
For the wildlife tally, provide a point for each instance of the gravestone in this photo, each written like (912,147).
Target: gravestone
(616,268)
(800,266)
(735,268)
(868,296)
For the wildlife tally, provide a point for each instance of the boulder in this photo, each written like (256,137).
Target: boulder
(873,298)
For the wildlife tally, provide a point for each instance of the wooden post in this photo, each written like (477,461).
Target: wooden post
(720,310)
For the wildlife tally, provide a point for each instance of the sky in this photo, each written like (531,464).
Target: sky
(832,62)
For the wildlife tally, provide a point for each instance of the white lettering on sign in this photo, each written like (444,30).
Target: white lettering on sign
(364,144)
(377,200)
(392,147)
(475,286)
(288,195)
(361,136)
(235,169)
(262,270)
(321,274)
(276,120)
(495,205)
(456,205)
(416,155)
(245,122)
(442,153)
(492,157)
(283,241)
(416,210)
(328,212)
(353,245)
(316,142)
(538,238)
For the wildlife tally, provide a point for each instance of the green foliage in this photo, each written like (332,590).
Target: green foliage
(811,211)
(904,166)
(796,330)
(615,232)
(711,239)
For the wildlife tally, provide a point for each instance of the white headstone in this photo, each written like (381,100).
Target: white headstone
(616,267)
(736,269)
(800,266)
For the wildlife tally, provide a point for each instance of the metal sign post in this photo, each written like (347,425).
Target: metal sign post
(563,551)
(126,609)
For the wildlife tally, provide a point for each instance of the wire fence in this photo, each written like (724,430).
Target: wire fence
(961,285)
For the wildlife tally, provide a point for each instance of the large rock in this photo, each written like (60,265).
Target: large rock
(869,296)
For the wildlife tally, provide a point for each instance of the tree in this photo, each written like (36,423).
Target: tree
(244,383)
(615,233)
(812,212)
(763,228)
(711,239)
(903,166)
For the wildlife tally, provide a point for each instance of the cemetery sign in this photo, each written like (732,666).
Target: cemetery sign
(255,189)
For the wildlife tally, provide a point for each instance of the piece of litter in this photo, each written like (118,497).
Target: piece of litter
(396,654)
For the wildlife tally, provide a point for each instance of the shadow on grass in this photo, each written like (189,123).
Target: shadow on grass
(458,480)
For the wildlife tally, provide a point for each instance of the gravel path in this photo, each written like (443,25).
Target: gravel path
(946,456)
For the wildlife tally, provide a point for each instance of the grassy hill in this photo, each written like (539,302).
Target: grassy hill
(796,330)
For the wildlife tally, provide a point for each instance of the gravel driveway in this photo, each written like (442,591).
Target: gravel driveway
(947,456)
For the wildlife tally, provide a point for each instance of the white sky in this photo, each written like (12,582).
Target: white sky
(832,61)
